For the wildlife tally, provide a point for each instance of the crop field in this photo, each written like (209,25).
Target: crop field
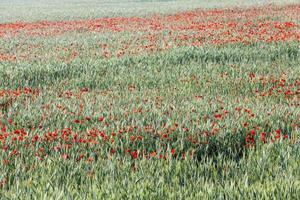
(149,99)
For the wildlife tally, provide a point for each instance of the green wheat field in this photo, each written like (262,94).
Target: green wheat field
(104,99)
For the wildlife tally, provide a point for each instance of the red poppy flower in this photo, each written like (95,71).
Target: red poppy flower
(173,151)
(134,154)
(101,119)
(218,116)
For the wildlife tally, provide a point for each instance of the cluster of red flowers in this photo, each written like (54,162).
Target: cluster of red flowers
(19,92)
(89,133)
(60,141)
(273,86)
(66,140)
(191,28)
(264,137)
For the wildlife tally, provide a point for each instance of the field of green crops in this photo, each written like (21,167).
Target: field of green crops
(149,99)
